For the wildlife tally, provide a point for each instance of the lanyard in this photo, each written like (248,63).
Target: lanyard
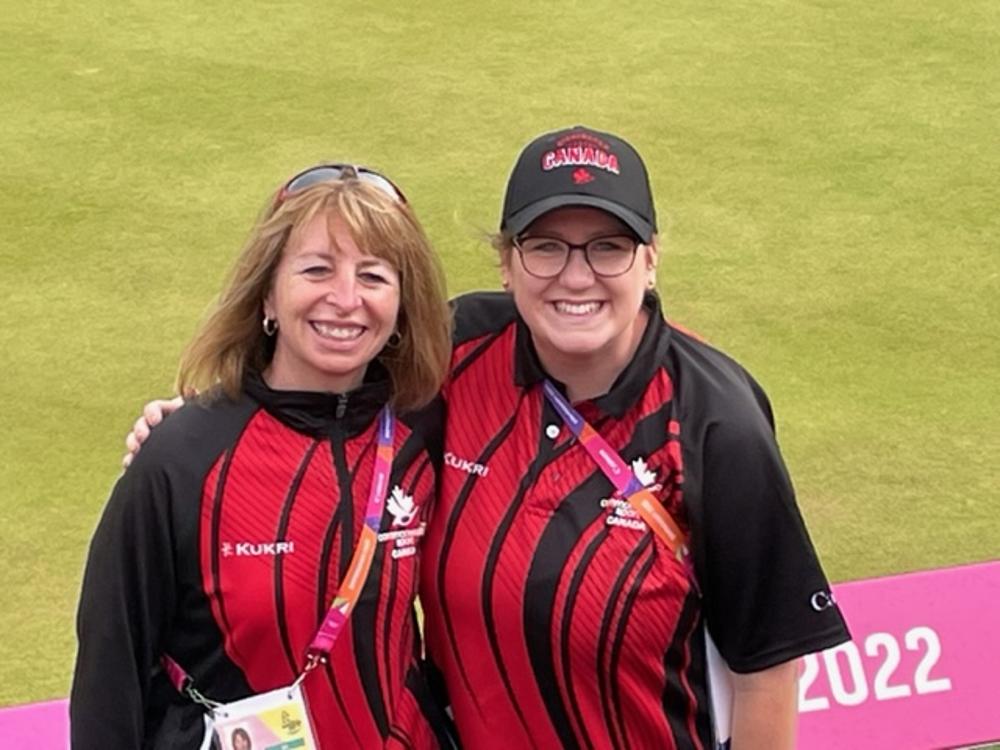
(625,482)
(364,553)
(357,572)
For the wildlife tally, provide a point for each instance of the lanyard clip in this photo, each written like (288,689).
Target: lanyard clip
(201,700)
(313,660)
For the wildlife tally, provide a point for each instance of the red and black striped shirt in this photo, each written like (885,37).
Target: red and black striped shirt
(556,618)
(223,546)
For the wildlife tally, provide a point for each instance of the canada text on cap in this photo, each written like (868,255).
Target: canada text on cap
(579,167)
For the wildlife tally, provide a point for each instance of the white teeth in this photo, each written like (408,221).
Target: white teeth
(343,333)
(578,308)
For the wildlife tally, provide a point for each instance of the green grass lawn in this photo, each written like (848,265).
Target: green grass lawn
(826,175)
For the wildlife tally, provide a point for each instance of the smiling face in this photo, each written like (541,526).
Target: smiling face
(335,305)
(577,317)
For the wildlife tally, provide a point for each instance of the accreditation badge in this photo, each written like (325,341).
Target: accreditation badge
(277,720)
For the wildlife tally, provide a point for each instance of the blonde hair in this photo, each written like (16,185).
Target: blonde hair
(231,342)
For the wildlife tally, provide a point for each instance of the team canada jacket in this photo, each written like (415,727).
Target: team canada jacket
(223,546)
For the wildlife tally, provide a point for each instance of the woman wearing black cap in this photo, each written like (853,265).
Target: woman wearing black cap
(613,496)
(611,485)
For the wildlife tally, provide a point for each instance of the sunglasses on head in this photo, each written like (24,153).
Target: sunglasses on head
(334,172)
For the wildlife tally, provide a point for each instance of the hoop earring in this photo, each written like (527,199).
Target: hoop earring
(270,326)
(394,340)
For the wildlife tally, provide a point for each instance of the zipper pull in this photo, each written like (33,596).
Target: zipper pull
(341,405)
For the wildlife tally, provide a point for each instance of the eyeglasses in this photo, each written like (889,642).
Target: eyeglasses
(333,172)
(547,257)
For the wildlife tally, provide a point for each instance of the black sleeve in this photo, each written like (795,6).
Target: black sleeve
(766,597)
(128,598)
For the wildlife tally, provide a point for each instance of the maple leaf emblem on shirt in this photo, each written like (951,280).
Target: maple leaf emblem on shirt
(402,507)
(643,473)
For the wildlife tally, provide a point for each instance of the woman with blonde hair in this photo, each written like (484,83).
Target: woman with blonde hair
(301,476)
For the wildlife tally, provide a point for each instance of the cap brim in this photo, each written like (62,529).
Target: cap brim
(519,222)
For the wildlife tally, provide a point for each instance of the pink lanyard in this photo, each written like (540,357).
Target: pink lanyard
(364,553)
(354,580)
(625,482)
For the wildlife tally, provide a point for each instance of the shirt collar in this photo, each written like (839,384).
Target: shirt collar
(318,413)
(631,381)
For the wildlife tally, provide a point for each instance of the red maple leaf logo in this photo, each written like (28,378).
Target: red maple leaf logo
(581,176)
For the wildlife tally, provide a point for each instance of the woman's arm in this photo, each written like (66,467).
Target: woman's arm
(764,708)
(759,572)
(128,597)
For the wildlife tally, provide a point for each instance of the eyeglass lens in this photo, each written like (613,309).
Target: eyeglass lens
(313,176)
(546,257)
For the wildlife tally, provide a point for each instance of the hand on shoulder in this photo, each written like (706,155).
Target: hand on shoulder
(152,414)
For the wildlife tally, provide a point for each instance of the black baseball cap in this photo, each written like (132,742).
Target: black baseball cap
(579,167)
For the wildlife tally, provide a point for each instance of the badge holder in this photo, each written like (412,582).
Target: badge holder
(276,720)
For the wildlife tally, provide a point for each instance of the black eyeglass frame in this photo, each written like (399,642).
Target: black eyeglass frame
(333,172)
(570,247)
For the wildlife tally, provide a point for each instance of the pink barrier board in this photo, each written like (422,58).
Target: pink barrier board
(44,726)
(922,670)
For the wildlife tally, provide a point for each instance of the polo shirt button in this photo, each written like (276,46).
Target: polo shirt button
(552,431)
